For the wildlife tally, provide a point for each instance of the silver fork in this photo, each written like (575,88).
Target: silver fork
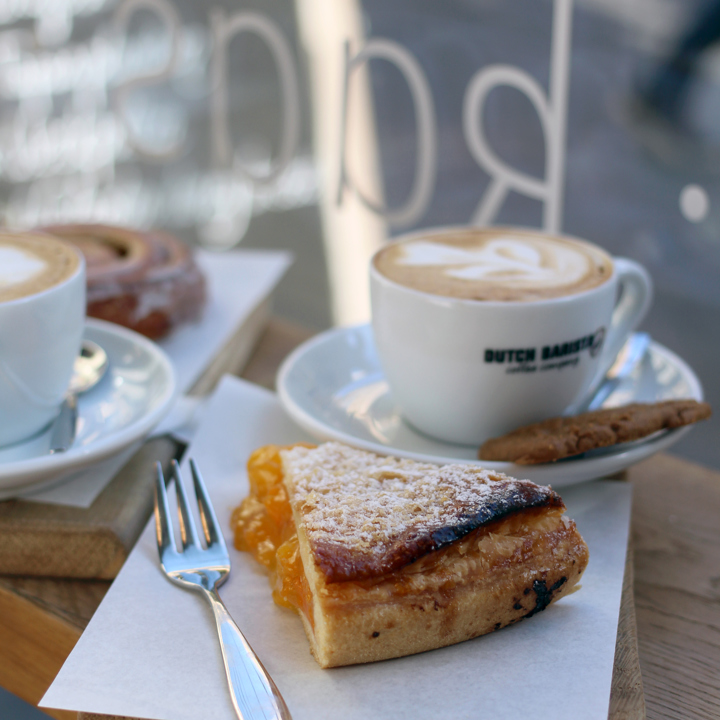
(254,694)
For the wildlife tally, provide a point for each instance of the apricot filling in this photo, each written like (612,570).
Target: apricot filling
(263,526)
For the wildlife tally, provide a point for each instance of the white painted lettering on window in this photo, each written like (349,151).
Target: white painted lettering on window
(426,158)
(552,111)
(224,29)
(167,13)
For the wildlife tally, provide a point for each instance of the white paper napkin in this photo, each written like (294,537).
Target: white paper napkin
(150,650)
(238,282)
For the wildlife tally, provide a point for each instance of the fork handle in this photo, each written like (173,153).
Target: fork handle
(254,694)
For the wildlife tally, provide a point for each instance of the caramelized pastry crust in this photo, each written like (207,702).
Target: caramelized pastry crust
(366,515)
(385,557)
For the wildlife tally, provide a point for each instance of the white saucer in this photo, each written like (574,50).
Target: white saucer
(122,408)
(333,387)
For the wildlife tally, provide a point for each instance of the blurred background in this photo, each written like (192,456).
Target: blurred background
(328,126)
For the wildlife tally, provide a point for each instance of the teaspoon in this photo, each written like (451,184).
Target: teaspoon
(90,365)
(627,360)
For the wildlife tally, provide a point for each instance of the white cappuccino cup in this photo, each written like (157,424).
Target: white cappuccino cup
(42,315)
(482,330)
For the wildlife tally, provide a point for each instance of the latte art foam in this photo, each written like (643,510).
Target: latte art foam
(32,263)
(495,264)
(17,266)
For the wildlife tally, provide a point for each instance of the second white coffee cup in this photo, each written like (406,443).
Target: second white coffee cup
(463,370)
(42,317)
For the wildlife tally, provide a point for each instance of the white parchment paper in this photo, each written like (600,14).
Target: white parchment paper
(150,651)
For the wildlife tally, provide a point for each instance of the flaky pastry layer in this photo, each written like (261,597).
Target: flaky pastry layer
(506,559)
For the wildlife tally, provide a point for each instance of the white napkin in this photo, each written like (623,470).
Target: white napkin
(238,282)
(151,651)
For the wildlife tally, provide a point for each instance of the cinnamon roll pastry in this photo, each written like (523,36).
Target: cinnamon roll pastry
(146,281)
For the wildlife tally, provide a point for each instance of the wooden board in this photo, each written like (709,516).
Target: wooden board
(627,698)
(35,644)
(61,541)
(676,537)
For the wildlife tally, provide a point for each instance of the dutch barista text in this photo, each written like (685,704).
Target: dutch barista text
(548,357)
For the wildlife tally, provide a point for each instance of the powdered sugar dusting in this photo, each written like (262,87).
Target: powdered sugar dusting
(364,514)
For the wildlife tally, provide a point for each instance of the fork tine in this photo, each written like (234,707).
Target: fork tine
(188,533)
(207,513)
(163,524)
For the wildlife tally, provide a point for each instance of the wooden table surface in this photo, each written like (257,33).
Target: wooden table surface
(673,626)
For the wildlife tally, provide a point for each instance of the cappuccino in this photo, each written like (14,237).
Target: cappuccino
(33,263)
(481,331)
(494,264)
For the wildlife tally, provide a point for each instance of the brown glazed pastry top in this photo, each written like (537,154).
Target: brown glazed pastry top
(366,516)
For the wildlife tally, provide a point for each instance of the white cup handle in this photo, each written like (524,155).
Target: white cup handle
(634,299)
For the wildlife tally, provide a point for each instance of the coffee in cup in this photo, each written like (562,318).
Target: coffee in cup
(42,315)
(31,264)
(481,330)
(512,266)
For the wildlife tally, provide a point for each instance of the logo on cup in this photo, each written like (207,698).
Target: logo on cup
(598,342)
(593,343)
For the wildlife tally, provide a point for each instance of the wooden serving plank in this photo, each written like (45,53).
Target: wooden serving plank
(41,620)
(59,541)
(676,535)
(627,698)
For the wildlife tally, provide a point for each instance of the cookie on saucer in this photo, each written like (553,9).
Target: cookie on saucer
(562,437)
